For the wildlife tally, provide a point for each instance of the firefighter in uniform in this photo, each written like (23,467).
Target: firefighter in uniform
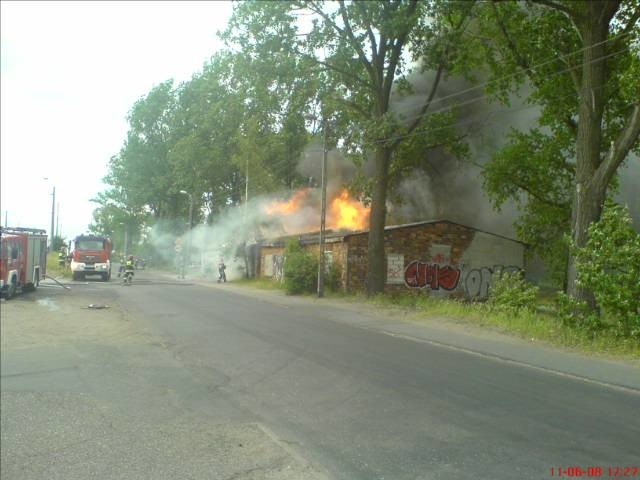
(129,266)
(62,256)
(222,276)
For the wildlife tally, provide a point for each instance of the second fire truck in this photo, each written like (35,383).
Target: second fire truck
(91,255)
(23,259)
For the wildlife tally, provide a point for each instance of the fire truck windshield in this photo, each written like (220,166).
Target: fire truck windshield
(89,245)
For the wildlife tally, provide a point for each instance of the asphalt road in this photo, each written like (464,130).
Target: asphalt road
(367,405)
(352,402)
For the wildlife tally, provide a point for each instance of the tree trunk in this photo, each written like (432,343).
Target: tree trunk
(587,208)
(376,258)
(593,23)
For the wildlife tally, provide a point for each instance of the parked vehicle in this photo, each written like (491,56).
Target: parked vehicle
(23,259)
(91,256)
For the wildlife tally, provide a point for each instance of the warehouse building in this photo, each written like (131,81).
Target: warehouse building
(440,257)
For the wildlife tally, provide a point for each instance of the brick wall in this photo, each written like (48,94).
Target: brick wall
(413,242)
(439,258)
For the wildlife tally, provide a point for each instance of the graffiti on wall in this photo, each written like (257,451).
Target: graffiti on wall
(395,268)
(278,267)
(474,282)
(431,275)
(478,280)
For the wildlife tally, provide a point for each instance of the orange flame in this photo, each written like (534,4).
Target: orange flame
(291,206)
(343,212)
(346,212)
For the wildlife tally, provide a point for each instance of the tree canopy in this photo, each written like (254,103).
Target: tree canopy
(580,63)
(293,70)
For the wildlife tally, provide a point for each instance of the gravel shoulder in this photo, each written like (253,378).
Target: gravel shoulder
(56,317)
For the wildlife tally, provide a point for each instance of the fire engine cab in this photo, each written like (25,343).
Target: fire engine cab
(23,259)
(91,255)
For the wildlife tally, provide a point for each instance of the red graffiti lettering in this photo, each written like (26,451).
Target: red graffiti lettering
(411,275)
(422,275)
(448,277)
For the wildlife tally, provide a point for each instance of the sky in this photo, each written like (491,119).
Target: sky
(70,72)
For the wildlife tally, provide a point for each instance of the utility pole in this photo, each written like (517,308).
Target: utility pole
(53,213)
(323,210)
(58,221)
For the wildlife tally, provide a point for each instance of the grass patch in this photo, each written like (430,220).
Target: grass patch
(263,283)
(541,325)
(54,270)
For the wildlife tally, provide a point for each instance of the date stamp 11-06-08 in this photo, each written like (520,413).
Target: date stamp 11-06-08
(596,472)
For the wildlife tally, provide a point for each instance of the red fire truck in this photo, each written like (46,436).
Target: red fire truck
(23,259)
(91,256)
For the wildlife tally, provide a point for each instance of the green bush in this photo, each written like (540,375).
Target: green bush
(300,269)
(510,291)
(577,314)
(609,266)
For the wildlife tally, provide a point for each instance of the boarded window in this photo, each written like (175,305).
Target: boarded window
(395,268)
(268,266)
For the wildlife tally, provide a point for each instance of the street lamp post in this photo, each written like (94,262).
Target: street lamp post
(323,206)
(53,213)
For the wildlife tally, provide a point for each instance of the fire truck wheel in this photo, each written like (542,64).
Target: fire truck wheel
(77,276)
(106,277)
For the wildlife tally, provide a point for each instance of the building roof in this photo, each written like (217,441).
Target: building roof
(332,236)
(426,222)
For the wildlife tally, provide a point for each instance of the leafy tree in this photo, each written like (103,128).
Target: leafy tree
(57,242)
(203,138)
(358,52)
(580,60)
(141,169)
(275,96)
(609,265)
(115,218)
(520,171)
